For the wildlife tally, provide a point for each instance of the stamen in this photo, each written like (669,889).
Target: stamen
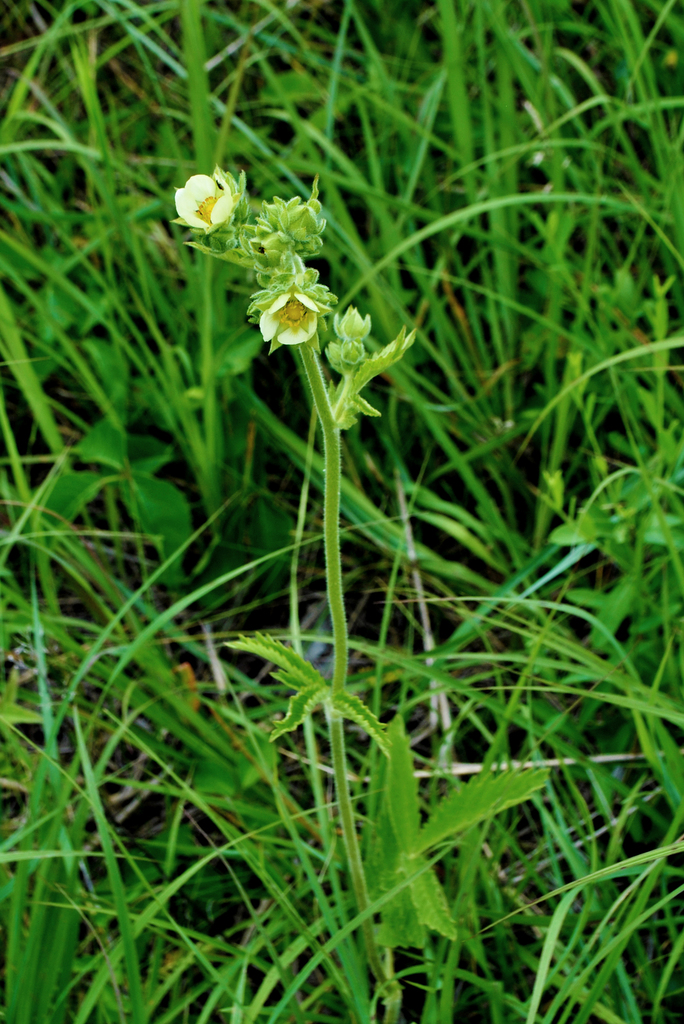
(204,209)
(293,312)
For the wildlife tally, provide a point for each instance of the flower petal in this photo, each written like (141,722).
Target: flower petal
(268,325)
(296,335)
(306,301)
(201,186)
(184,202)
(223,209)
(187,209)
(279,302)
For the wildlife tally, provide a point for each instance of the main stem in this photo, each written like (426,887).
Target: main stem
(333,563)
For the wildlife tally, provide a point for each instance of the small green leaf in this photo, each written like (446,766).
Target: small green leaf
(354,709)
(402,788)
(300,674)
(164,512)
(362,405)
(72,491)
(570,534)
(103,443)
(383,359)
(476,801)
(430,902)
(299,707)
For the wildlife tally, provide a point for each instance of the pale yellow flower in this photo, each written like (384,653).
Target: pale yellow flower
(201,203)
(292,318)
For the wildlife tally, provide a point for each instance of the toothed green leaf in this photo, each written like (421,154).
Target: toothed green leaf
(383,859)
(301,704)
(401,925)
(348,417)
(383,359)
(476,801)
(300,673)
(385,869)
(354,709)
(362,405)
(402,787)
(430,902)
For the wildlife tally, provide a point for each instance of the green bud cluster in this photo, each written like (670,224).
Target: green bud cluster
(285,229)
(349,352)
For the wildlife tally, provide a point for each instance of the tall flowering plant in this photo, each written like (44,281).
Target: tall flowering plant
(290,309)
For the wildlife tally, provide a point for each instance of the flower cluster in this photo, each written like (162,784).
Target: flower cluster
(291,305)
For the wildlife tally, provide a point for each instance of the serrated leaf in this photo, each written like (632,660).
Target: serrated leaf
(383,359)
(401,925)
(347,418)
(476,801)
(383,859)
(363,406)
(300,673)
(402,788)
(430,902)
(385,868)
(299,707)
(353,708)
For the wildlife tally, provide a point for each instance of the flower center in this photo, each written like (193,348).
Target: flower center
(292,313)
(204,209)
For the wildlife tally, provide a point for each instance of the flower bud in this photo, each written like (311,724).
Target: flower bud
(352,326)
(345,356)
(285,229)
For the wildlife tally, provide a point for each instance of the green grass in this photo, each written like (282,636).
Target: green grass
(505,177)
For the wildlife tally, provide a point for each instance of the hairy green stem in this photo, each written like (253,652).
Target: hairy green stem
(331,516)
(333,561)
(351,841)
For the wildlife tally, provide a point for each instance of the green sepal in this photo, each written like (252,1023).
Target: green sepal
(301,704)
(476,801)
(301,674)
(351,707)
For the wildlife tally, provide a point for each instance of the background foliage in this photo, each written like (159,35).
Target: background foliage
(507,178)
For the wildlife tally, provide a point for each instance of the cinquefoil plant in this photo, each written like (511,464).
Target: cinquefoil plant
(290,309)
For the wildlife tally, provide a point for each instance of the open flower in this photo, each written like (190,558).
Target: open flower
(202,203)
(292,318)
